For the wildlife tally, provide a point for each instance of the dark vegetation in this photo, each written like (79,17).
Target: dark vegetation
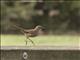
(57,16)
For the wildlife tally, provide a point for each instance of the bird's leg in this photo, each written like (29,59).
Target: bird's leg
(31,40)
(26,42)
(26,39)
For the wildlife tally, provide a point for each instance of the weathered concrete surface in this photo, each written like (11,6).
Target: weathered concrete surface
(40,48)
(16,53)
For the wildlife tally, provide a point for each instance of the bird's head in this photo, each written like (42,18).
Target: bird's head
(39,27)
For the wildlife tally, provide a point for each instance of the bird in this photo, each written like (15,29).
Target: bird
(30,32)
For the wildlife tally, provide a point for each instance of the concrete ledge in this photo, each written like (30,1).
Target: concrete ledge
(40,48)
(40,53)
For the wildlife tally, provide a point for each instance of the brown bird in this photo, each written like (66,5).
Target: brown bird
(30,32)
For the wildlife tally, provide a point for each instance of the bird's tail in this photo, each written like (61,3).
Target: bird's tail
(20,28)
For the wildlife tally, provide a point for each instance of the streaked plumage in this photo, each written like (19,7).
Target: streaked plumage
(30,32)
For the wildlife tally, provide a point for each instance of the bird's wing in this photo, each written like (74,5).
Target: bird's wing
(29,30)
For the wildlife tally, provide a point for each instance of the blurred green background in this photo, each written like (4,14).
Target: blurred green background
(57,16)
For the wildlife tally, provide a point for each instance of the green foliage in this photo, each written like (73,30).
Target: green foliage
(27,16)
(20,10)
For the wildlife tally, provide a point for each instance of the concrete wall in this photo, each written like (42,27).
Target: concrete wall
(40,55)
